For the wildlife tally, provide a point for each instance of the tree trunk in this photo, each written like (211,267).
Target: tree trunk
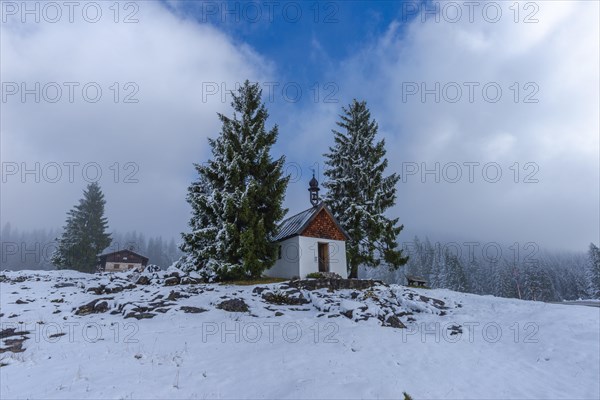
(353,271)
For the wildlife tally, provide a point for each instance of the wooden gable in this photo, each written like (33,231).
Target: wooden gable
(323,226)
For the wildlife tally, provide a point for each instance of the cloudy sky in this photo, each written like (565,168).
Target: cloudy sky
(490,111)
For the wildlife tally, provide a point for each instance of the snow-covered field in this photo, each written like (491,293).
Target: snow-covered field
(330,344)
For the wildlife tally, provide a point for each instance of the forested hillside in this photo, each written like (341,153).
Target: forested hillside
(523,272)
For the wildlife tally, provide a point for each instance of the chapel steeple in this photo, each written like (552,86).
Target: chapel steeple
(313,188)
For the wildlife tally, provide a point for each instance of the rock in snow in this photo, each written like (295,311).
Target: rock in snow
(233,305)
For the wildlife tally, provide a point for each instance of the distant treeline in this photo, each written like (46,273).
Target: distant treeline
(33,249)
(519,271)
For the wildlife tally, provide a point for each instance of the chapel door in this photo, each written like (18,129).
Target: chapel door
(323,250)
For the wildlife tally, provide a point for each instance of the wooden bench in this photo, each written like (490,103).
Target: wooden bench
(415,281)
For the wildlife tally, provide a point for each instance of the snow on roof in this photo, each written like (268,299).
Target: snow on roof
(294,225)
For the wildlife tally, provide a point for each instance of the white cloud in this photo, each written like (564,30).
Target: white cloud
(560,133)
(168,58)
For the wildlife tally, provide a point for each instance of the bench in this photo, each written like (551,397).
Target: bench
(415,281)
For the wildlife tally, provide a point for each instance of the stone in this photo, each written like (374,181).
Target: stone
(394,322)
(96,290)
(103,289)
(143,280)
(101,307)
(188,280)
(14,345)
(192,310)
(233,305)
(175,295)
(259,290)
(8,332)
(94,307)
(172,281)
(140,315)
(63,285)
(435,302)
(455,330)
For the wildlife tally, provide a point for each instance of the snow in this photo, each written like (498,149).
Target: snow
(349,305)
(507,349)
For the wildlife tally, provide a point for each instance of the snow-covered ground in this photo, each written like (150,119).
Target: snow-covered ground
(329,345)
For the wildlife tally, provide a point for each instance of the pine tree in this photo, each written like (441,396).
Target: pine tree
(420,258)
(506,279)
(438,275)
(358,192)
(427,260)
(538,284)
(477,281)
(84,235)
(593,271)
(579,281)
(456,278)
(415,253)
(237,200)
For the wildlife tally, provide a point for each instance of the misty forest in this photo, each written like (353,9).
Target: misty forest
(34,249)
(547,276)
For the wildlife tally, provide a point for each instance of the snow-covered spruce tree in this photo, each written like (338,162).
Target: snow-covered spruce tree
(421,258)
(506,279)
(593,271)
(414,265)
(537,283)
(358,192)
(456,278)
(84,235)
(237,200)
(477,281)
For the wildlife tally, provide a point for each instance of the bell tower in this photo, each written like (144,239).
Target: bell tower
(313,188)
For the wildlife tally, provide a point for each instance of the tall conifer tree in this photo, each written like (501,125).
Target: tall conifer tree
(593,271)
(237,200)
(84,235)
(359,193)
